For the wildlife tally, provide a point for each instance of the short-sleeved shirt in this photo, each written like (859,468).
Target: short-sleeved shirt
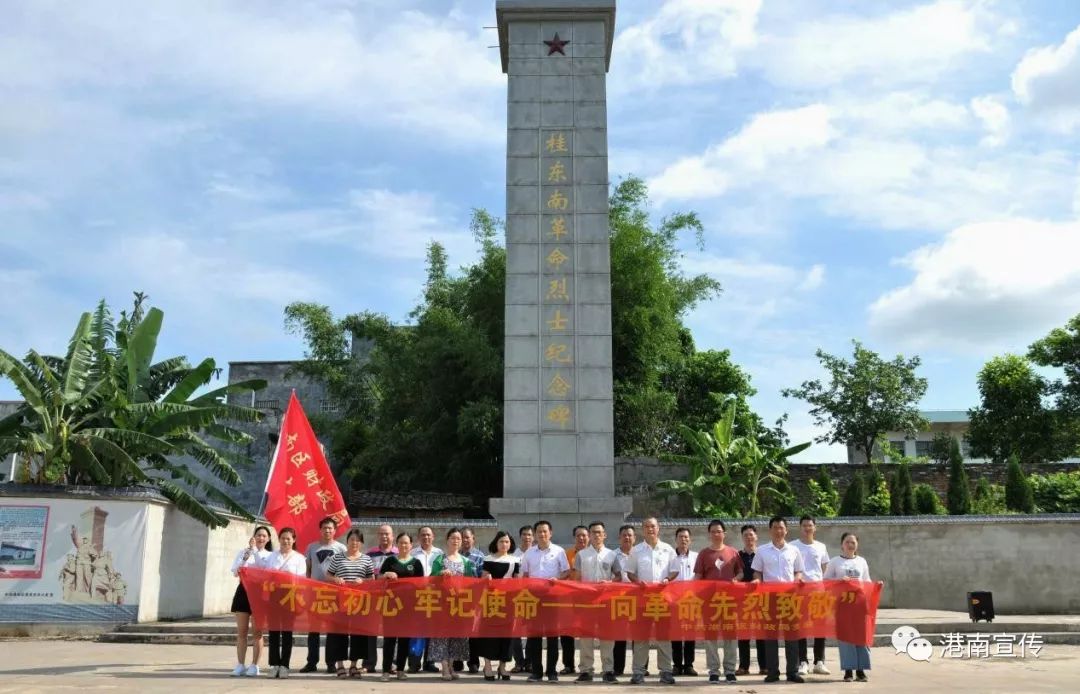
(683,565)
(622,560)
(778,564)
(841,567)
(477,558)
(651,564)
(426,559)
(318,554)
(814,556)
(343,567)
(292,563)
(378,556)
(544,563)
(721,564)
(594,566)
(409,567)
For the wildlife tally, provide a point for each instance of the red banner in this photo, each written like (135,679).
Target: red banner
(301,490)
(680,611)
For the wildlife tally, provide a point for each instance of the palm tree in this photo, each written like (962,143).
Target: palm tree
(106,414)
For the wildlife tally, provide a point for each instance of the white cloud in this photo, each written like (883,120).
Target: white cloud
(362,64)
(1047,81)
(815,277)
(995,119)
(985,286)
(685,42)
(835,156)
(909,46)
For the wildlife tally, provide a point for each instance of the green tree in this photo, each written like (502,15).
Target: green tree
(1019,495)
(901,492)
(1058,492)
(864,398)
(854,503)
(730,475)
(107,414)
(878,501)
(1011,418)
(940,446)
(959,492)
(1061,349)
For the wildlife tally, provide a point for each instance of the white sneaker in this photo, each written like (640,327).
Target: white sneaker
(252,670)
(239,670)
(804,668)
(820,669)
(283,672)
(273,671)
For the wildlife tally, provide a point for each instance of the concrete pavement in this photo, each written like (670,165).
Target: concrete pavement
(55,666)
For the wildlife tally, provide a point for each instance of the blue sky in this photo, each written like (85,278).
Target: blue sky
(904,174)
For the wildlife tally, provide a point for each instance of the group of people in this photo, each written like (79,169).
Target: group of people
(534,555)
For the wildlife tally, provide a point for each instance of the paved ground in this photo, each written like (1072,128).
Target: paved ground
(53,666)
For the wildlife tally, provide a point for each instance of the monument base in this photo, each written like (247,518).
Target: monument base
(563,513)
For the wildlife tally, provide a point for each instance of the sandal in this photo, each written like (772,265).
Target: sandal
(341,671)
(355,673)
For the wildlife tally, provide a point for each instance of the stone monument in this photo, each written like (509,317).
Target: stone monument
(558,452)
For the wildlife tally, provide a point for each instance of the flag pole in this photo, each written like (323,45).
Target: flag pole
(273,462)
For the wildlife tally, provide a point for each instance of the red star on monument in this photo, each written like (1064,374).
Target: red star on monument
(556,45)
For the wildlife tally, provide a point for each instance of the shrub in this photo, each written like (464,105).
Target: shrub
(989,499)
(959,494)
(927,501)
(1056,493)
(1019,495)
(824,500)
(854,498)
(901,499)
(877,497)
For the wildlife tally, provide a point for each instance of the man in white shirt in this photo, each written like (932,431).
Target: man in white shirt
(622,555)
(815,557)
(544,560)
(318,556)
(682,652)
(596,564)
(525,542)
(779,562)
(425,554)
(651,562)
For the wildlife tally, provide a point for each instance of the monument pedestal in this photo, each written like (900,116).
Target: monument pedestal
(563,514)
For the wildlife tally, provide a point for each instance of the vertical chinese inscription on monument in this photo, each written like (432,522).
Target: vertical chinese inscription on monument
(557,267)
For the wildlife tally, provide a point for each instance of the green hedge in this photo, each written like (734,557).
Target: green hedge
(1058,492)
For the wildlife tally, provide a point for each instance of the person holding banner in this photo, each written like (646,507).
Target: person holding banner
(318,555)
(719,562)
(259,547)
(291,562)
(451,563)
(396,649)
(425,553)
(471,552)
(544,560)
(682,652)
(596,564)
(815,557)
(622,555)
(652,561)
(779,562)
(525,541)
(349,567)
(849,566)
(498,564)
(746,555)
(378,554)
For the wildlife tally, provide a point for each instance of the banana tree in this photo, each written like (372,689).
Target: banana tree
(712,459)
(763,472)
(107,414)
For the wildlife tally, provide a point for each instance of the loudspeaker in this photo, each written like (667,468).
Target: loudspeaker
(981,605)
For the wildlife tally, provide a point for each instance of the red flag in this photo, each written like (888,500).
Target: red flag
(300,490)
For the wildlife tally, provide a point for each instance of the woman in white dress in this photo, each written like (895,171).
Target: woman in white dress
(259,547)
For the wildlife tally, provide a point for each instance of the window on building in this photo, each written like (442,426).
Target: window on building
(922,449)
(272,404)
(898,446)
(329,407)
(965,448)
